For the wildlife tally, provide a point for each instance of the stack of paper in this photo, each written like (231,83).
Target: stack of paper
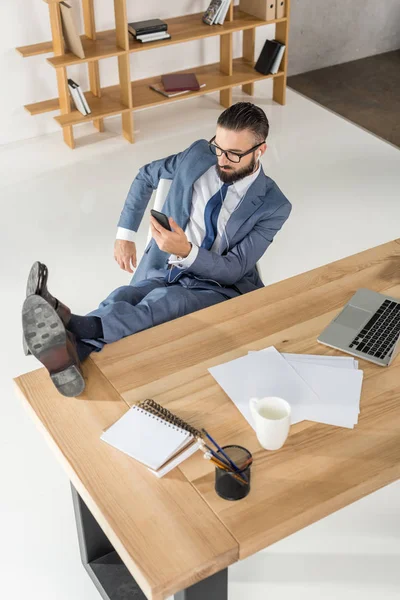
(325,389)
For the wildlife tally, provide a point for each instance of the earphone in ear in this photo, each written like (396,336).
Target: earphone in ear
(259,154)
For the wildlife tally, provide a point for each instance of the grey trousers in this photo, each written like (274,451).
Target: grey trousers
(133,308)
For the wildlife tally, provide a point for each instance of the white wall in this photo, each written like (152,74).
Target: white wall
(28,80)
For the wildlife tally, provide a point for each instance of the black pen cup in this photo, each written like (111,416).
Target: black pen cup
(233,485)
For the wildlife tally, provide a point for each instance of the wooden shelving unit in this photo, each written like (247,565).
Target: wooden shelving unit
(129,95)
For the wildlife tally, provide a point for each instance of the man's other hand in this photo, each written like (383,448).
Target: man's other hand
(173,242)
(125,255)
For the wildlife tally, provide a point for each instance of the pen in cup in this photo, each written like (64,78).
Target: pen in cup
(233,465)
(225,468)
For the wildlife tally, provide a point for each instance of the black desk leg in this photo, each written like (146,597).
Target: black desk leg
(106,569)
(110,575)
(214,587)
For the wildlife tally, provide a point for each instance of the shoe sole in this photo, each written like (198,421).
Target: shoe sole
(46,339)
(32,283)
(32,287)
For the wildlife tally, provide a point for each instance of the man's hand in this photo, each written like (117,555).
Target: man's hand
(125,254)
(173,242)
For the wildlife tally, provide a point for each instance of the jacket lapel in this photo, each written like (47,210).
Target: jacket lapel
(248,205)
(179,200)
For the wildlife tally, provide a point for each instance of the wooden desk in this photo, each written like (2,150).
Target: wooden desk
(176,533)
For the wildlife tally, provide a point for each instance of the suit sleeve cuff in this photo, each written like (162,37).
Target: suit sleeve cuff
(184,263)
(126,234)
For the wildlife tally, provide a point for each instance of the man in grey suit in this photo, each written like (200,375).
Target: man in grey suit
(224,213)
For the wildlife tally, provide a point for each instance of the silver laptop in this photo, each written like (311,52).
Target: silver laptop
(367,327)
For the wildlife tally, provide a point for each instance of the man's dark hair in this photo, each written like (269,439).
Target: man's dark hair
(245,115)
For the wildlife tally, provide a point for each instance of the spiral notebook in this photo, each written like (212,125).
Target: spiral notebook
(154,436)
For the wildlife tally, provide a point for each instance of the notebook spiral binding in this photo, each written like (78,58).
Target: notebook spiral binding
(157,410)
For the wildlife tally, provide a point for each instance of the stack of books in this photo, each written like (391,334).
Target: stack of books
(177,84)
(78,97)
(270,57)
(152,30)
(216,12)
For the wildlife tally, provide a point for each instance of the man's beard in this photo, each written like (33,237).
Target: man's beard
(230,176)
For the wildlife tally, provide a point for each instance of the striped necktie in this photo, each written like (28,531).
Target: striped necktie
(211,215)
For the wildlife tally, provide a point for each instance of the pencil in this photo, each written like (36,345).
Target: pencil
(223,466)
(235,467)
(227,470)
(215,455)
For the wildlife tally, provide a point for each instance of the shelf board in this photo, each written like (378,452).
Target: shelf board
(35,49)
(143,96)
(103,46)
(107,105)
(191,27)
(243,72)
(38,108)
(182,29)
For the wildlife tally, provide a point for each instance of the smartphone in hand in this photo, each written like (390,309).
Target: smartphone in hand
(161,219)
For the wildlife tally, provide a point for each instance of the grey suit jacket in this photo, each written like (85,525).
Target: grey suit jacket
(249,230)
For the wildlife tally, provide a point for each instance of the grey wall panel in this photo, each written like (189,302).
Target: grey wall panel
(331,32)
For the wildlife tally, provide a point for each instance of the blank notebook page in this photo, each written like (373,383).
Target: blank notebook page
(146,438)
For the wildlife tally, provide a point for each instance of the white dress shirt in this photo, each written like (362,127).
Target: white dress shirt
(203,190)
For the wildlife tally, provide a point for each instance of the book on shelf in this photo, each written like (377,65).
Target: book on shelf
(179,82)
(72,38)
(158,87)
(222,12)
(149,26)
(78,97)
(212,11)
(278,59)
(153,37)
(270,57)
(154,436)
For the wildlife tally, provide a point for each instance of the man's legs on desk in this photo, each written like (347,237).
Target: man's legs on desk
(90,327)
(61,341)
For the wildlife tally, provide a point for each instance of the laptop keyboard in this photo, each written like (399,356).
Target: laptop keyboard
(380,334)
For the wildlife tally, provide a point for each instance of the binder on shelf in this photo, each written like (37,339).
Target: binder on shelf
(268,56)
(70,30)
(271,10)
(262,9)
(280,9)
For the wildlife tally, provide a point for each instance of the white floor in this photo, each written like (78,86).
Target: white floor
(61,207)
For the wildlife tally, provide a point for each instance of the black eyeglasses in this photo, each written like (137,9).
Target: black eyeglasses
(234,157)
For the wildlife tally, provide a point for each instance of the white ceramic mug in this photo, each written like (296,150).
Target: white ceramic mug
(272,421)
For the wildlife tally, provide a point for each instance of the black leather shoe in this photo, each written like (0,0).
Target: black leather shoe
(54,346)
(37,284)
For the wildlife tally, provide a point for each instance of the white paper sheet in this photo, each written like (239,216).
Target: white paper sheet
(261,374)
(339,362)
(338,389)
